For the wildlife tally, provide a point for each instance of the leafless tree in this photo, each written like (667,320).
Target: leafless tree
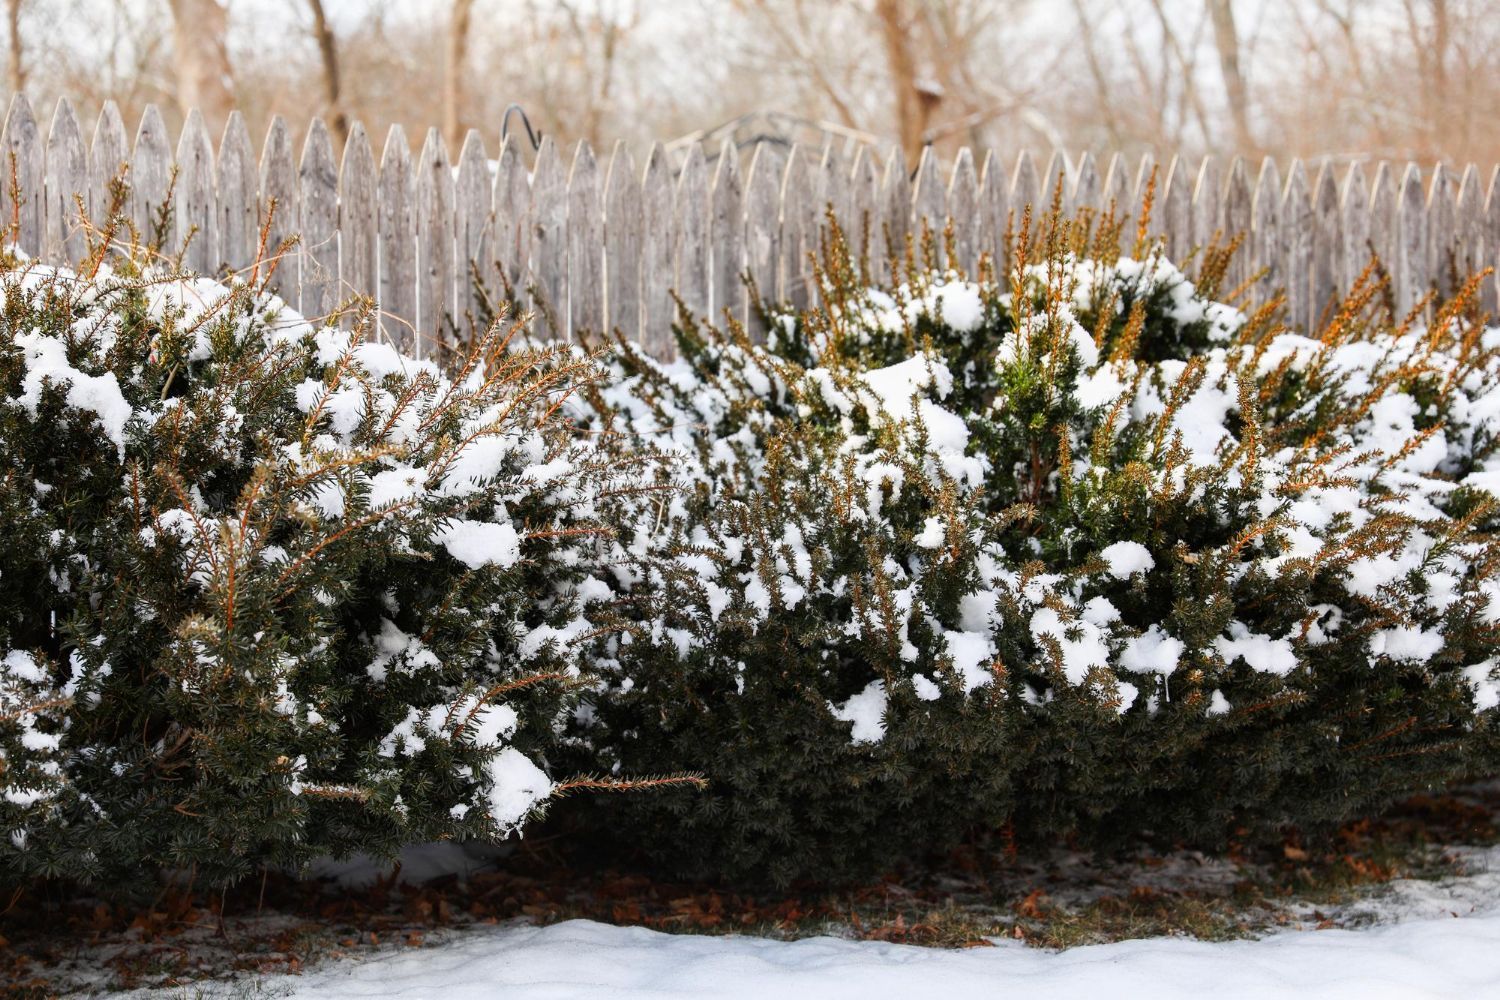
(1227,42)
(17,54)
(205,79)
(328,55)
(459,20)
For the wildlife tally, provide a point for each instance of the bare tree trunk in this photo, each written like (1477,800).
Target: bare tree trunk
(329,53)
(205,79)
(17,63)
(1227,41)
(913,105)
(453,82)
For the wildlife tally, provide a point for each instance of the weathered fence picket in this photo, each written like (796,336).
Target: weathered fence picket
(437,243)
(235,188)
(398,244)
(276,209)
(726,235)
(67,183)
(471,229)
(150,174)
(622,243)
(585,245)
(359,226)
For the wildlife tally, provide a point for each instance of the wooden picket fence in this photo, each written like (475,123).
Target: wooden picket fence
(594,247)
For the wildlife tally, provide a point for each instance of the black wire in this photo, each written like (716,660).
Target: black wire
(535,137)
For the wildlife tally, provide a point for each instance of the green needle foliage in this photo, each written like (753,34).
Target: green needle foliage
(270,590)
(1081,553)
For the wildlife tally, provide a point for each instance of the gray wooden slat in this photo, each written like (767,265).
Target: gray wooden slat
(1297,223)
(1115,194)
(1327,275)
(622,236)
(1025,191)
(432,202)
(194,203)
(1354,211)
(150,174)
(866,230)
(794,270)
(1087,187)
(278,204)
(510,208)
(1267,257)
(1411,239)
(585,245)
(963,210)
(658,241)
(762,234)
(929,200)
(1469,217)
(726,234)
(108,159)
(471,231)
(895,203)
(1237,217)
(693,222)
(359,225)
(1054,180)
(549,238)
(67,186)
(24,169)
(994,213)
(1176,206)
(398,245)
(235,190)
(1490,243)
(1155,226)
(1442,224)
(1207,224)
(1383,233)
(832,193)
(318,212)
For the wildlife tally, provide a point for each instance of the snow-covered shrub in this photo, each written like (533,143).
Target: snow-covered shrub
(269,590)
(1087,554)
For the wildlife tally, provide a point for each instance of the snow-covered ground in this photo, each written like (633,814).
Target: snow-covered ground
(1438,939)
(1435,957)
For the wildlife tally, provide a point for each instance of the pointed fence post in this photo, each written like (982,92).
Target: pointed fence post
(67,187)
(693,234)
(235,187)
(471,235)
(1383,232)
(1267,256)
(963,213)
(1412,250)
(1238,221)
(726,233)
(762,232)
(866,229)
(510,232)
(585,246)
(1327,274)
(549,240)
(359,217)
(398,243)
(277,206)
(318,210)
(1354,211)
(1297,223)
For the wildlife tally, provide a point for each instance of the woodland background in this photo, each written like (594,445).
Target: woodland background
(1343,79)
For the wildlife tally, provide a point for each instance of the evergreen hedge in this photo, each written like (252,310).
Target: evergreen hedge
(1082,554)
(271,590)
